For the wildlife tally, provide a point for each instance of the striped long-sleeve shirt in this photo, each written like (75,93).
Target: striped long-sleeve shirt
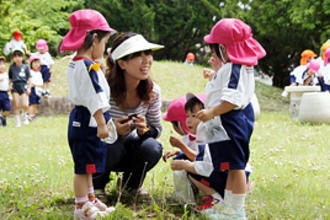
(151,112)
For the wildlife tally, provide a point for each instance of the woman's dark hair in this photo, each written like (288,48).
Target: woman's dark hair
(191,103)
(89,39)
(116,77)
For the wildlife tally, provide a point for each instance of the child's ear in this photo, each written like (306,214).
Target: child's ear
(224,52)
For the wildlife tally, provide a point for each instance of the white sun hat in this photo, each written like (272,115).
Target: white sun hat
(134,44)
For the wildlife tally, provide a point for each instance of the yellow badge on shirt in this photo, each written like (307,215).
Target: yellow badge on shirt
(95,66)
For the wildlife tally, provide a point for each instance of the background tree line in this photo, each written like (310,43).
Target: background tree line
(284,27)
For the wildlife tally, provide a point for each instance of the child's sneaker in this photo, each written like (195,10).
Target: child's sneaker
(18,123)
(87,212)
(102,207)
(211,208)
(232,214)
(26,120)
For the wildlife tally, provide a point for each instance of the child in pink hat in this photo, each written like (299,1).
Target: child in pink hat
(46,63)
(177,116)
(228,117)
(325,70)
(90,93)
(308,77)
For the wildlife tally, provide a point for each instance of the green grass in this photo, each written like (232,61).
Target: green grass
(290,160)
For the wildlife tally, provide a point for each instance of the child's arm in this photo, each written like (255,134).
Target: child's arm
(177,142)
(183,165)
(207,114)
(102,130)
(29,84)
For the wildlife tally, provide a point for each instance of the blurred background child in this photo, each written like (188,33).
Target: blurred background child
(308,77)
(20,82)
(297,72)
(325,70)
(36,86)
(190,59)
(16,42)
(46,63)
(4,97)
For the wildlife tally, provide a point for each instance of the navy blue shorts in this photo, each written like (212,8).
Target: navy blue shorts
(19,87)
(4,101)
(234,154)
(216,181)
(33,98)
(45,73)
(88,151)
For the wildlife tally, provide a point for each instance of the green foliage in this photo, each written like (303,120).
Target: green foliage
(35,19)
(286,28)
(178,24)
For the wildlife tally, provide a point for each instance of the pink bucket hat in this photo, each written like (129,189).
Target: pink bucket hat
(236,36)
(34,57)
(201,97)
(314,66)
(327,56)
(176,112)
(42,45)
(81,22)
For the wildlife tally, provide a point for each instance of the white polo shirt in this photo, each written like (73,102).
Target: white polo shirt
(232,83)
(88,88)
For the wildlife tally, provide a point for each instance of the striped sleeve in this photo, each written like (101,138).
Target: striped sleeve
(153,115)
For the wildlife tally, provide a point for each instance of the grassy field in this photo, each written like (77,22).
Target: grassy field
(290,161)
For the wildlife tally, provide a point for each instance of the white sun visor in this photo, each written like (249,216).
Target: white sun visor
(134,44)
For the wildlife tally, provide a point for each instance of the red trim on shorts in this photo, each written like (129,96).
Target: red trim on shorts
(224,166)
(90,168)
(205,182)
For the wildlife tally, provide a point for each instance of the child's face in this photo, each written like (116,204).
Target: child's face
(99,47)
(2,66)
(18,59)
(35,64)
(179,129)
(191,120)
(189,61)
(42,51)
(310,73)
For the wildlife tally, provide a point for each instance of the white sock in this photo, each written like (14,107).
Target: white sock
(237,201)
(17,118)
(91,190)
(227,197)
(81,199)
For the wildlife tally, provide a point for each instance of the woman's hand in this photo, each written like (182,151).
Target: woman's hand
(140,124)
(169,154)
(123,128)
(179,164)
(102,131)
(205,114)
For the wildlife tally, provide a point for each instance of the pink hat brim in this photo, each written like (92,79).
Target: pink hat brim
(246,52)
(75,38)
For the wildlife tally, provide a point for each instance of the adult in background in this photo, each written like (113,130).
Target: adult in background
(135,106)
